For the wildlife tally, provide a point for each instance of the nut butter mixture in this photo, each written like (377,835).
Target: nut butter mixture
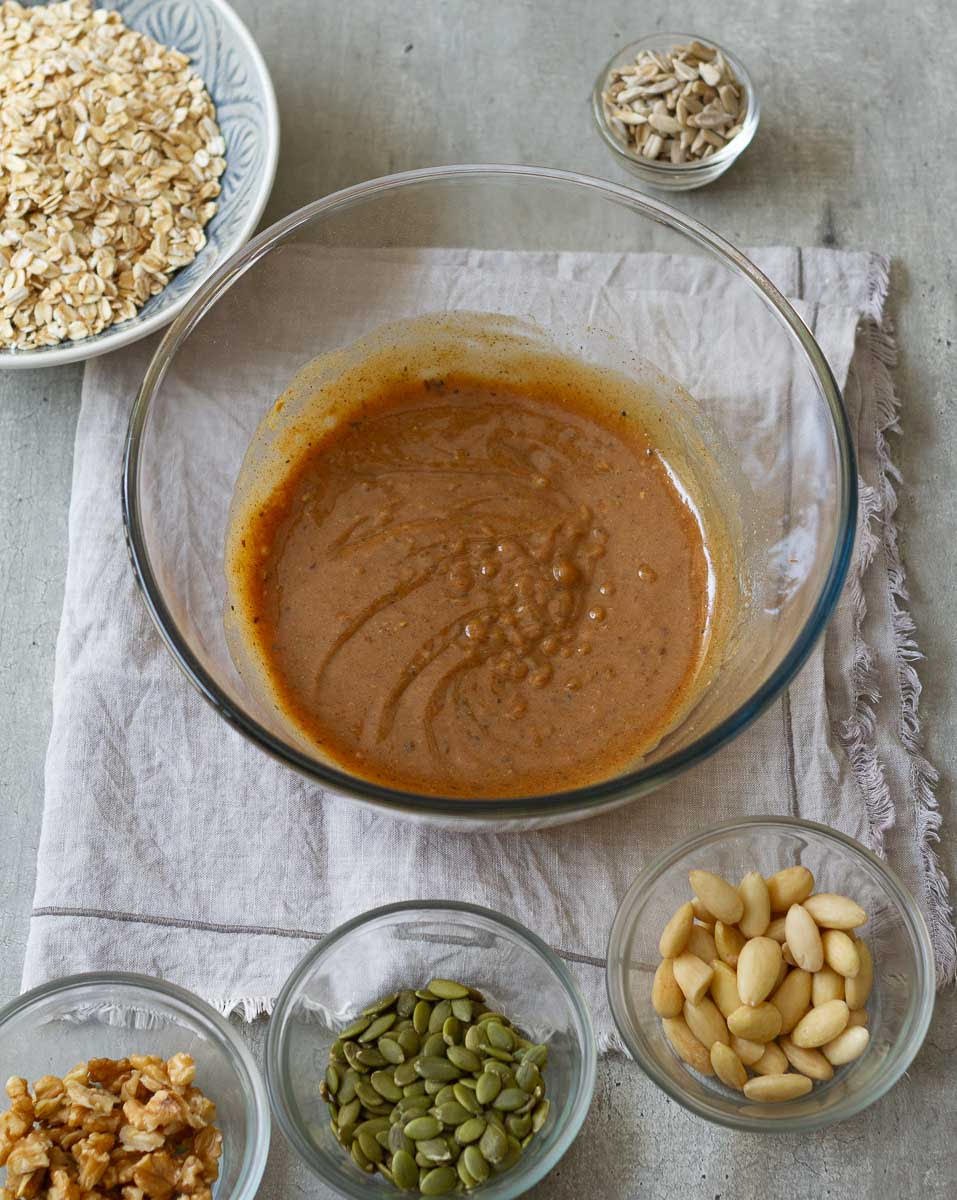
(469,589)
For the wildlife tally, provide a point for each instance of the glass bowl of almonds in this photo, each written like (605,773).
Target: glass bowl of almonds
(122,1085)
(771,974)
(676,110)
(430,1048)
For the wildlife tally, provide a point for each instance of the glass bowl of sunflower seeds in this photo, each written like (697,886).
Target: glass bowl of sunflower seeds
(432,1048)
(675,109)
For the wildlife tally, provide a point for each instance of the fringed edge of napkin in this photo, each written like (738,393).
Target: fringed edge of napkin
(878,530)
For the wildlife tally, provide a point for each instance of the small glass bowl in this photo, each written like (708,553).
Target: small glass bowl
(402,945)
(112,1015)
(899,1007)
(668,176)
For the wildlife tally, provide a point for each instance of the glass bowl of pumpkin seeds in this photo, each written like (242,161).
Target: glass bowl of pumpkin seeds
(675,109)
(431,1048)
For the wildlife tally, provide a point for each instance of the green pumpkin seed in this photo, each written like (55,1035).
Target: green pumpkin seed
(343,1133)
(440,1014)
(452,1031)
(369,1056)
(438,1182)
(425,994)
(473,1038)
(385,1172)
(367,1094)
(503,1056)
(468,1179)
(351,1049)
(433,1067)
(459,1056)
(335,1051)
(444,1095)
(420,1017)
(324,1092)
(434,1086)
(448,989)
(528,1077)
(383,1139)
(518,1125)
(399,1140)
(497,1035)
(347,1087)
(499,1069)
(385,1085)
(434,1046)
(405,1074)
(351,1032)
(405,1003)
(540,1115)
(488,1015)
(476,1163)
(509,1099)
(512,1155)
(359,1158)
(421,1128)
(451,1113)
(369,1146)
(332,1079)
(391,1051)
(494,1118)
(487,1088)
(417,1106)
(470,1130)
(433,1150)
(466,1097)
(417,1088)
(404,1171)
(537,1056)
(348,1113)
(493,1144)
(410,1041)
(373,1125)
(378,1027)
(462,1010)
(380,1005)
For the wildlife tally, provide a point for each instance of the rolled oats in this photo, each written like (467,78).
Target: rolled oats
(111,1129)
(681,93)
(110,157)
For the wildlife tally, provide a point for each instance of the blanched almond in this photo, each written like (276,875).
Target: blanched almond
(701,944)
(847,1046)
(790,886)
(666,997)
(705,1022)
(729,942)
(826,985)
(772,1088)
(758,965)
(821,1025)
(759,1024)
(701,914)
(728,1067)
(831,911)
(692,976)
(771,1062)
(793,998)
(858,1017)
(840,953)
(749,1052)
(776,930)
(757,905)
(811,1063)
(686,1045)
(724,988)
(858,988)
(804,939)
(717,895)
(674,936)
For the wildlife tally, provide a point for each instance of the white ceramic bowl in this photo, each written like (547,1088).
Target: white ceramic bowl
(224,54)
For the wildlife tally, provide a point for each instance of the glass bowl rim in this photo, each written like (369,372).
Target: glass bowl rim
(578,801)
(255,1098)
(910,1042)
(573,1115)
(721,158)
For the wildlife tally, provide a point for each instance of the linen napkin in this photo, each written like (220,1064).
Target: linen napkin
(173,847)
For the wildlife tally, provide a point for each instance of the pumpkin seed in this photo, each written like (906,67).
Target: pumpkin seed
(434,1045)
(433,1150)
(489,1015)
(473,1038)
(540,1115)
(405,1173)
(335,1051)
(504,1056)
(448,989)
(452,1031)
(493,1144)
(378,1027)
(422,1128)
(466,1059)
(425,994)
(475,1163)
(404,1074)
(512,1155)
(351,1032)
(399,1140)
(440,1014)
(438,1182)
(444,1095)
(433,1067)
(369,1146)
(380,1005)
(332,1079)
(420,1016)
(348,1113)
(410,1041)
(499,1069)
(385,1085)
(510,1099)
(488,1087)
(373,1125)
(452,1113)
(470,1130)
(537,1056)
(391,1051)
(468,1179)
(518,1125)
(347,1088)
(385,1172)
(497,1035)
(367,1093)
(351,1049)
(462,1010)
(417,1088)
(369,1056)
(405,1003)
(466,1097)
(433,1086)
(528,1077)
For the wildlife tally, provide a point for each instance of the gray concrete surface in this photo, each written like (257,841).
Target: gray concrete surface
(853,151)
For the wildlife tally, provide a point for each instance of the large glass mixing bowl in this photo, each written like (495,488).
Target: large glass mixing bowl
(612,276)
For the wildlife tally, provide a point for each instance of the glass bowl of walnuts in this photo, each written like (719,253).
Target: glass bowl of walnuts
(121,1084)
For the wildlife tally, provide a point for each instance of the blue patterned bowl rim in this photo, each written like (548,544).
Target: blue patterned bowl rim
(239,81)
